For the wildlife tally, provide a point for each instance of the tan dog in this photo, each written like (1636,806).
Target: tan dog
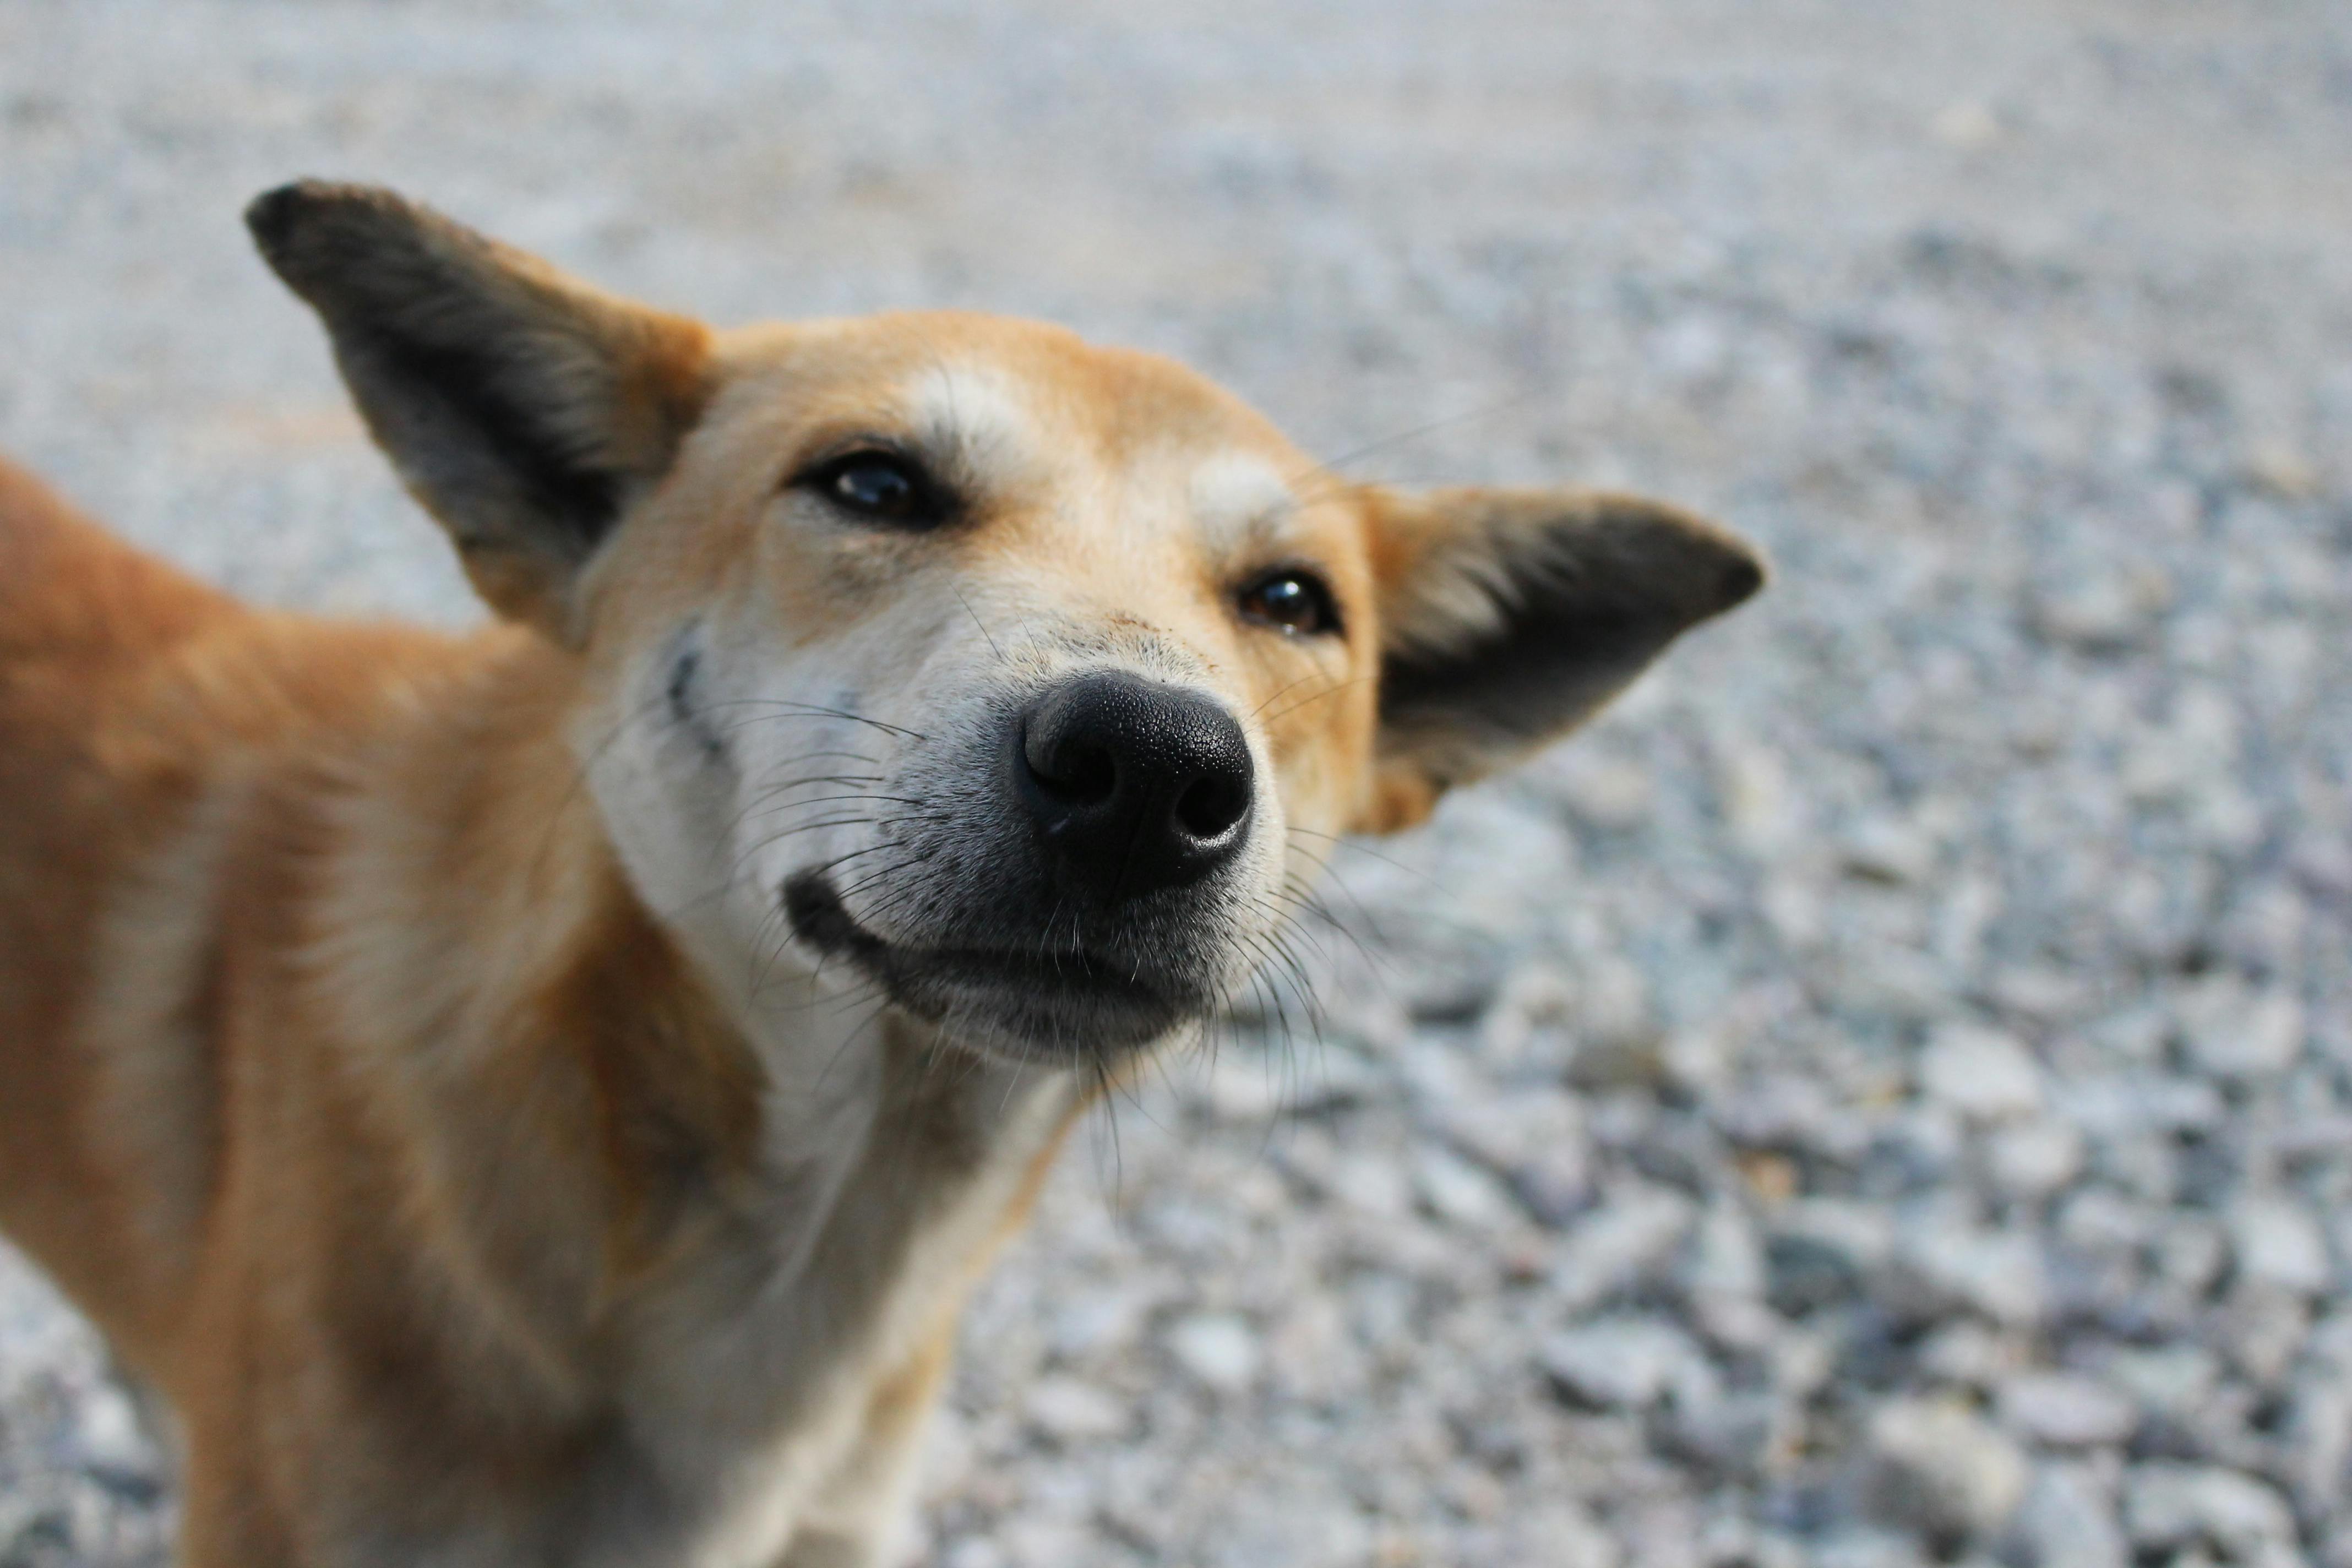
(540,1098)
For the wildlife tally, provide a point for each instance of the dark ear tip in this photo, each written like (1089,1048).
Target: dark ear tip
(1744,576)
(281,220)
(270,216)
(274,216)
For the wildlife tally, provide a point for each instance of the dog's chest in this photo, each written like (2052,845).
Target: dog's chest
(757,1414)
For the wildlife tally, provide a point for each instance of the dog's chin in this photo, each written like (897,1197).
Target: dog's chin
(1064,1006)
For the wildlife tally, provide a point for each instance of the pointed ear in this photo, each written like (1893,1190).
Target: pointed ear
(524,409)
(1509,617)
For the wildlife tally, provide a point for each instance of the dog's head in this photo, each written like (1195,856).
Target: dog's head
(956,656)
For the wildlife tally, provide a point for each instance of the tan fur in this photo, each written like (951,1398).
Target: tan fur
(403,1057)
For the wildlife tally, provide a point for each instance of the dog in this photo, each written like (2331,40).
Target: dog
(541,1096)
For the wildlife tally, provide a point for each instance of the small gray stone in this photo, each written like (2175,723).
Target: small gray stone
(1619,1363)
(1890,985)
(1943,1265)
(1968,1354)
(2235,1031)
(2068,1522)
(2318,1439)
(1371,1185)
(2171,1381)
(1562,1535)
(2262,1328)
(1046,1542)
(2039,992)
(1554,1184)
(2138,1102)
(2103,614)
(1859,1546)
(1725,1258)
(1315,1527)
(1719,1432)
(109,1440)
(1782,1110)
(1248,1087)
(1537,1142)
(1087,1321)
(1638,1228)
(1822,1249)
(1983,1074)
(2190,1255)
(1737,1326)
(2168,1506)
(1938,1467)
(2278,1243)
(1219,1349)
(1886,849)
(1459,1192)
(1530,1020)
(1070,1410)
(2028,1160)
(2280,467)
(2101,1221)
(1759,801)
(1617,1043)
(1611,793)
(2065,1410)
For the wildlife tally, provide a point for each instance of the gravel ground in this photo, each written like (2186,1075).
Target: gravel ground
(1883,1094)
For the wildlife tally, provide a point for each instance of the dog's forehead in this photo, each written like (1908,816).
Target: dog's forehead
(977,411)
(1162,447)
(1240,499)
(1019,406)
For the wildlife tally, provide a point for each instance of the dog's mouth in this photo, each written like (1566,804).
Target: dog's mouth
(1060,1001)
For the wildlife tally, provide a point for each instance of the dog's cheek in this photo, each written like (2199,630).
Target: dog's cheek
(685,699)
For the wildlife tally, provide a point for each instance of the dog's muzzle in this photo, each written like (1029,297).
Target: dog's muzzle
(1096,918)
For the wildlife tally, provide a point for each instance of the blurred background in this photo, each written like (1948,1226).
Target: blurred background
(1883,1095)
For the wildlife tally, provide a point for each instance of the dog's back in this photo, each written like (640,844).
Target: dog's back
(138,708)
(85,624)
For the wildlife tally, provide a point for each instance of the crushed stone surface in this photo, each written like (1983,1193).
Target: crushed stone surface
(1881,1096)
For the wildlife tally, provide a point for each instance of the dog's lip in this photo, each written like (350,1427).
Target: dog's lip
(813,905)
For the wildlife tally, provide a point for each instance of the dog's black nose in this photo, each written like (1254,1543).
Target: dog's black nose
(1135,786)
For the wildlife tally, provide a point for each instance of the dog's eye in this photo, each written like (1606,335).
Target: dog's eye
(1290,599)
(881,487)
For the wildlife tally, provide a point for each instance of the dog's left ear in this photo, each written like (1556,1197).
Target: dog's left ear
(1509,617)
(522,407)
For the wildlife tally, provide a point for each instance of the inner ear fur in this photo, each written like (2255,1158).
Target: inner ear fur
(1509,617)
(524,409)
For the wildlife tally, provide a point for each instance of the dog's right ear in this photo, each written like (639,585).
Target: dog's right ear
(1509,616)
(526,410)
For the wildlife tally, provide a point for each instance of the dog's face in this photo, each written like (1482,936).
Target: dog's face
(1017,669)
(1020,679)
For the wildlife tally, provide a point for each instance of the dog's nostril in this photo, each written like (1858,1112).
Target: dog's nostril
(1075,773)
(1212,803)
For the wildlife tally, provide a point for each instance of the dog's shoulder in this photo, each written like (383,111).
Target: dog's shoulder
(70,592)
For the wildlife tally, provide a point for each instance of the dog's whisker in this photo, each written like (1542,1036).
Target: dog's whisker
(791,710)
(976,621)
(1327,691)
(1329,470)
(834,800)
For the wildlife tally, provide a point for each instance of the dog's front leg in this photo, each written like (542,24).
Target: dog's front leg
(858,1520)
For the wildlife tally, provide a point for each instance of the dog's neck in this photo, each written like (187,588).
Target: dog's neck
(788,1187)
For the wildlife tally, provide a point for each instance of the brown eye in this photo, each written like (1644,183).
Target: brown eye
(1290,599)
(880,486)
